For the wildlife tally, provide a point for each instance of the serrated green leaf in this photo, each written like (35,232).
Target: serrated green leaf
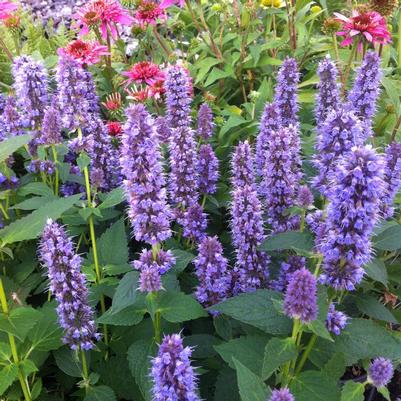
(316,386)
(100,393)
(7,377)
(182,260)
(29,227)
(257,309)
(68,362)
(251,386)
(277,352)
(20,321)
(294,240)
(126,292)
(352,391)
(113,198)
(113,245)
(371,307)
(10,145)
(246,349)
(178,307)
(126,317)
(376,270)
(5,351)
(389,239)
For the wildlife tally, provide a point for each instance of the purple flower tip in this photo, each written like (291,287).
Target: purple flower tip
(380,372)
(281,395)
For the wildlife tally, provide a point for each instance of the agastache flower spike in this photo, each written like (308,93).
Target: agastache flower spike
(281,395)
(11,121)
(212,272)
(380,372)
(183,179)
(352,213)
(336,320)
(340,132)
(269,122)
(51,127)
(279,181)
(208,170)
(286,92)
(251,268)
(300,301)
(365,92)
(68,284)
(144,179)
(173,376)
(287,268)
(242,166)
(76,94)
(205,122)
(328,97)
(392,178)
(194,222)
(178,86)
(30,85)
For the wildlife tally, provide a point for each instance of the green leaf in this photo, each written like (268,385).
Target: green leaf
(5,352)
(257,309)
(29,227)
(376,270)
(126,292)
(68,362)
(362,339)
(113,245)
(27,367)
(246,349)
(47,333)
(7,377)
(335,367)
(316,386)
(178,307)
(217,74)
(126,317)
(10,145)
(83,161)
(251,386)
(277,352)
(138,356)
(318,326)
(182,260)
(384,392)
(20,321)
(202,344)
(389,239)
(294,240)
(113,198)
(33,203)
(371,307)
(100,393)
(36,188)
(352,391)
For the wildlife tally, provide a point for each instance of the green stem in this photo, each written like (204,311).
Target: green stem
(54,152)
(348,68)
(3,210)
(318,264)
(286,370)
(85,372)
(399,39)
(157,325)
(203,201)
(306,353)
(13,345)
(302,223)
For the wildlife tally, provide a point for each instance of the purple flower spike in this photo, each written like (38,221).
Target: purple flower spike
(30,85)
(208,170)
(341,131)
(336,320)
(178,87)
(144,182)
(279,182)
(173,376)
(281,395)
(150,280)
(205,122)
(328,97)
(286,92)
(11,122)
(293,264)
(365,92)
(305,197)
(242,166)
(77,97)
(68,284)
(392,178)
(300,300)
(352,213)
(269,122)
(251,268)
(194,223)
(162,130)
(380,372)
(51,127)
(162,261)
(183,179)
(212,272)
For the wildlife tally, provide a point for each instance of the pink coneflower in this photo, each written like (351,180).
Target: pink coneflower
(114,128)
(144,72)
(370,25)
(157,89)
(103,14)
(84,52)
(6,8)
(113,102)
(149,12)
(139,95)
